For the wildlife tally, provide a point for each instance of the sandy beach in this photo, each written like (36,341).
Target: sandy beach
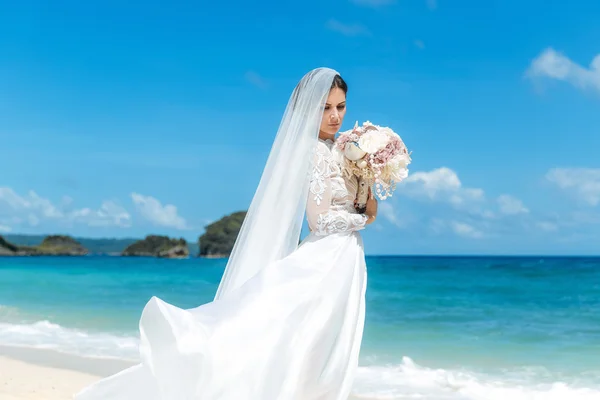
(23,381)
(34,374)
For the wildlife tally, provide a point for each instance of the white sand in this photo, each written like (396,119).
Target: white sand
(34,374)
(39,374)
(22,381)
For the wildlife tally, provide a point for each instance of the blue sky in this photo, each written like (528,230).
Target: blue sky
(119,120)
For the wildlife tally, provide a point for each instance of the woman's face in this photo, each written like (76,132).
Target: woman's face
(334,112)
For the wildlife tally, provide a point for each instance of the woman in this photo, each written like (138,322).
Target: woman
(287,321)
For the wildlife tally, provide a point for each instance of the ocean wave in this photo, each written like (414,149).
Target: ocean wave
(8,312)
(409,380)
(406,380)
(47,335)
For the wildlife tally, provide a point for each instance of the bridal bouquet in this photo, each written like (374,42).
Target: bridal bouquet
(377,156)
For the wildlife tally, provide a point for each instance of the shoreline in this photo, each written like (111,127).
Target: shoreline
(55,359)
(43,374)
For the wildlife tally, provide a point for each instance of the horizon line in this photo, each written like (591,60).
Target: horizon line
(506,255)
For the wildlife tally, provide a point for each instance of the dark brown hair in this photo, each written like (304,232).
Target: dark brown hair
(339,82)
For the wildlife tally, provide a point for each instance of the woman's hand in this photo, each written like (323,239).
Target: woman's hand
(371,207)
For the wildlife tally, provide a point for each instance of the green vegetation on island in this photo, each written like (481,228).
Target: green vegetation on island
(216,242)
(158,246)
(97,246)
(7,248)
(53,245)
(61,245)
(220,236)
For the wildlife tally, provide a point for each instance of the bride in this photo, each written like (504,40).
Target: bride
(287,320)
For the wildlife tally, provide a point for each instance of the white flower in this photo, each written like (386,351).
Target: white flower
(400,161)
(397,167)
(373,141)
(399,175)
(388,131)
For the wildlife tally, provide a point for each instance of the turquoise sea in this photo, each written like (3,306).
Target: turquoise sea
(437,327)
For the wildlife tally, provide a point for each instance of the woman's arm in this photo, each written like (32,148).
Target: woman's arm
(321,219)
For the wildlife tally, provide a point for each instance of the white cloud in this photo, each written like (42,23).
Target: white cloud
(66,201)
(441,184)
(257,80)
(109,214)
(347,29)
(439,226)
(153,210)
(552,64)
(547,226)
(388,212)
(510,205)
(34,209)
(374,3)
(584,217)
(467,211)
(31,202)
(466,230)
(487,214)
(5,228)
(584,183)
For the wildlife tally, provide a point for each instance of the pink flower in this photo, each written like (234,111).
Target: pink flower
(346,137)
(394,147)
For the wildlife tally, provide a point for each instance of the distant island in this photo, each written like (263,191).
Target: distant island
(95,246)
(158,246)
(53,245)
(216,242)
(220,236)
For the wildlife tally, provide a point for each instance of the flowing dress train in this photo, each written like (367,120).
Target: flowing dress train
(291,332)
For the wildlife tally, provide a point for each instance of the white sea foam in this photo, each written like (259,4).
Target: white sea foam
(409,380)
(406,380)
(47,335)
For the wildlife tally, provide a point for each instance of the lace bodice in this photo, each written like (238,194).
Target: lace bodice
(330,207)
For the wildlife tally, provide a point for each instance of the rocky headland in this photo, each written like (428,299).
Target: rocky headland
(219,237)
(53,245)
(158,246)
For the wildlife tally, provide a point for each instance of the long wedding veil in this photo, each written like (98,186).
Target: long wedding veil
(272,225)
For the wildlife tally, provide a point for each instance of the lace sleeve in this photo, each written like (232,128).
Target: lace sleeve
(322,219)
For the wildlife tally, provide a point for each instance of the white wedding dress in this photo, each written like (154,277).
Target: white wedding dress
(291,332)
